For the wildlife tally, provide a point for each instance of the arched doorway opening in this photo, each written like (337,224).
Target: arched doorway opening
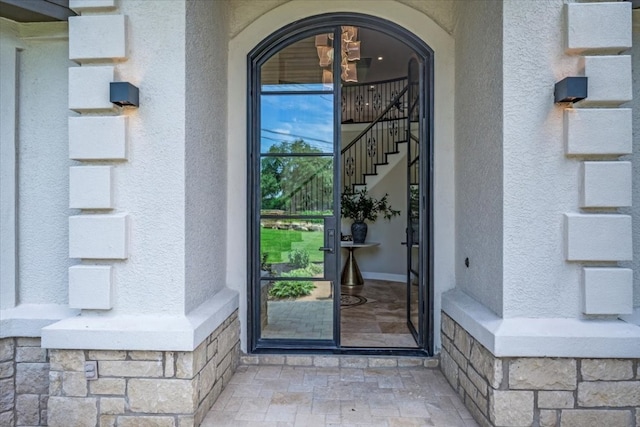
(340,107)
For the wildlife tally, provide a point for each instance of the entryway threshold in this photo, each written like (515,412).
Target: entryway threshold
(340,361)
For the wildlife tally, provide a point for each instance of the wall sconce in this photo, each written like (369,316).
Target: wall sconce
(124,94)
(570,89)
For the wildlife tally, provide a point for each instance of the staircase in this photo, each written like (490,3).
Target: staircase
(383,142)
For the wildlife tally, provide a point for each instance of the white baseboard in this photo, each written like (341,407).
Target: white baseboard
(384,276)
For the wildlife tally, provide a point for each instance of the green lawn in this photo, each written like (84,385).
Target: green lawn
(278,244)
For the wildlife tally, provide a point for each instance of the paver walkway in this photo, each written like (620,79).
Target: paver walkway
(314,396)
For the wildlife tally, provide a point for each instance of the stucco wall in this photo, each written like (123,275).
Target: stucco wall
(41,159)
(151,185)
(479,180)
(206,138)
(635,158)
(540,182)
(244,12)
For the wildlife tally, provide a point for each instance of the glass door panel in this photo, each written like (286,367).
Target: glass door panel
(414,206)
(297,217)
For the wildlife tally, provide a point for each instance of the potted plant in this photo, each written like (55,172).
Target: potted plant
(361,207)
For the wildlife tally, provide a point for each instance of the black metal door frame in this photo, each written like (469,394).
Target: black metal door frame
(278,40)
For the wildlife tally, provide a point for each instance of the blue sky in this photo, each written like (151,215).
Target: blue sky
(301,116)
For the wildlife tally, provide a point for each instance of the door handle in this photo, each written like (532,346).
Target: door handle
(326,249)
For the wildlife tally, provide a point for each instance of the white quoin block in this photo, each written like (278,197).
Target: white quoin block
(89,88)
(82,5)
(90,287)
(97,37)
(598,27)
(99,236)
(98,138)
(609,79)
(608,290)
(598,237)
(606,184)
(598,131)
(90,187)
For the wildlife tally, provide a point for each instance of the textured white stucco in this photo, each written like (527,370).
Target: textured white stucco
(150,187)
(635,159)
(442,44)
(205,145)
(244,12)
(9,56)
(479,151)
(43,171)
(540,182)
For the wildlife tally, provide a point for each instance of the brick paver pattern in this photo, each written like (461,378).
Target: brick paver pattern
(318,396)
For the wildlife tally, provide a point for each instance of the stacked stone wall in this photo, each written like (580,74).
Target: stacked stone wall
(142,388)
(539,392)
(24,382)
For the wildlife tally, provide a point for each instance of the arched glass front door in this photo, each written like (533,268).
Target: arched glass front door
(324,116)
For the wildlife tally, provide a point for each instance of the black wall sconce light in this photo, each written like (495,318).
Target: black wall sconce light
(570,89)
(124,94)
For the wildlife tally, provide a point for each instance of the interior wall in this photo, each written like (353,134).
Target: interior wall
(478,151)
(206,135)
(540,182)
(390,257)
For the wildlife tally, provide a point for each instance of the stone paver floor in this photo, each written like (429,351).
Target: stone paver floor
(270,395)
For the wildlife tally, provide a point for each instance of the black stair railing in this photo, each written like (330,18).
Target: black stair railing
(372,146)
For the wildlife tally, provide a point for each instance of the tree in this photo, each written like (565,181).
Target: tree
(296,183)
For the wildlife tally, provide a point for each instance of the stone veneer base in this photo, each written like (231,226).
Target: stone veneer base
(133,388)
(539,391)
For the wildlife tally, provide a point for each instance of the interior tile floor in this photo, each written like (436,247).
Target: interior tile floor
(382,321)
(281,396)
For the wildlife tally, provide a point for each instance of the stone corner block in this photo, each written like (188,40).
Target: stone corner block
(598,27)
(607,290)
(606,369)
(511,408)
(98,138)
(609,394)
(590,417)
(606,184)
(84,5)
(598,131)
(90,287)
(99,236)
(609,80)
(97,37)
(89,88)
(66,411)
(534,373)
(162,396)
(598,237)
(90,187)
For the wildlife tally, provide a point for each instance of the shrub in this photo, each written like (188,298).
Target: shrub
(295,288)
(299,258)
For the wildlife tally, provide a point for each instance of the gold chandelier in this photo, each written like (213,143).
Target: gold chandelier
(350,52)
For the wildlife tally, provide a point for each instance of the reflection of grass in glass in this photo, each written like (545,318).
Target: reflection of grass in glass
(278,244)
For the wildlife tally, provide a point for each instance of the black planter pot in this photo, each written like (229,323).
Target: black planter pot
(359,231)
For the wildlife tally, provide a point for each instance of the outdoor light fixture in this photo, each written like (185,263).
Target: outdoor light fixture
(124,94)
(570,89)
